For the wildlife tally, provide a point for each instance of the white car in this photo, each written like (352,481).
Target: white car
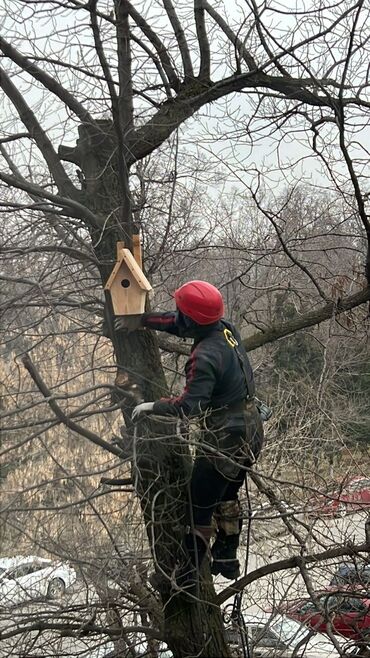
(268,511)
(28,577)
(280,637)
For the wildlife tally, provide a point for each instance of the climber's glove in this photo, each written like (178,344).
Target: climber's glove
(128,323)
(141,409)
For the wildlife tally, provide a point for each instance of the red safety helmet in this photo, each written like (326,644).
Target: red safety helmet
(200,301)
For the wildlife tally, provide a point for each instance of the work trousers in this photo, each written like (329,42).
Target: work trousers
(219,469)
(209,488)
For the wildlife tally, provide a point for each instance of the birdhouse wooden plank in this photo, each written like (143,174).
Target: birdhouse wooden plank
(127,284)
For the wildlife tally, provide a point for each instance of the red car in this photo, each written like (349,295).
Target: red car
(347,497)
(345,611)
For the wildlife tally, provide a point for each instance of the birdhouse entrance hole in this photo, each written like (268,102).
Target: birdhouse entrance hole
(125,283)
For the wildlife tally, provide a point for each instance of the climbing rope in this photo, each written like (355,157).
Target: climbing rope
(236,614)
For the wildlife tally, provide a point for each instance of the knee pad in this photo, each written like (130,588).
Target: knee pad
(228,517)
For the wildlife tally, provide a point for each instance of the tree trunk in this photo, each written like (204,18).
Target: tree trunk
(161,464)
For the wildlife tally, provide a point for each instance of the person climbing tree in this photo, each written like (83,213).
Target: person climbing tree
(220,392)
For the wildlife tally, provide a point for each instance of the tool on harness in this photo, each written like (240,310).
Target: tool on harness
(231,340)
(265,411)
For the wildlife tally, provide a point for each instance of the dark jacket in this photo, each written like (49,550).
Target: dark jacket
(218,372)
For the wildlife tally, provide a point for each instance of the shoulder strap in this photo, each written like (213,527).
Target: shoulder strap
(231,340)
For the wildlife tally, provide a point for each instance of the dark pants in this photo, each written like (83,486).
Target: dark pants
(218,473)
(208,488)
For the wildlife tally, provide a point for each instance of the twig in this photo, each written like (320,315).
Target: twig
(91,436)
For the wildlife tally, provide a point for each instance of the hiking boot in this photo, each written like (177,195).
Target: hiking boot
(229,569)
(224,554)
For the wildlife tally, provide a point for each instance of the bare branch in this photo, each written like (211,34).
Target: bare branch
(80,210)
(332,309)
(27,117)
(272,218)
(239,45)
(181,40)
(13,138)
(66,420)
(205,54)
(156,62)
(68,251)
(46,80)
(158,45)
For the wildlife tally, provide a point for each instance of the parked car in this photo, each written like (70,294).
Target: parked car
(346,610)
(28,577)
(268,511)
(348,497)
(350,573)
(277,636)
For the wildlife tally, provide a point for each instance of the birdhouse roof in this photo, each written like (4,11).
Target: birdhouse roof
(127,258)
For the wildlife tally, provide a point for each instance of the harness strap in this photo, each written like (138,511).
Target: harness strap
(231,340)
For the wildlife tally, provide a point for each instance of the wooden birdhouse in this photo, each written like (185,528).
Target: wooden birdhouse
(127,284)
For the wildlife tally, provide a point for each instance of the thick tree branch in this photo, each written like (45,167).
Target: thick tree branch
(80,210)
(125,102)
(332,309)
(69,629)
(46,80)
(180,37)
(125,127)
(158,45)
(296,323)
(295,562)
(204,49)
(172,347)
(194,96)
(13,138)
(28,118)
(121,104)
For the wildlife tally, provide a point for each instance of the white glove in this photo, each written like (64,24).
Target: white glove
(140,409)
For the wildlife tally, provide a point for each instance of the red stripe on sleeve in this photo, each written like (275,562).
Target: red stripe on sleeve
(189,379)
(158,320)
